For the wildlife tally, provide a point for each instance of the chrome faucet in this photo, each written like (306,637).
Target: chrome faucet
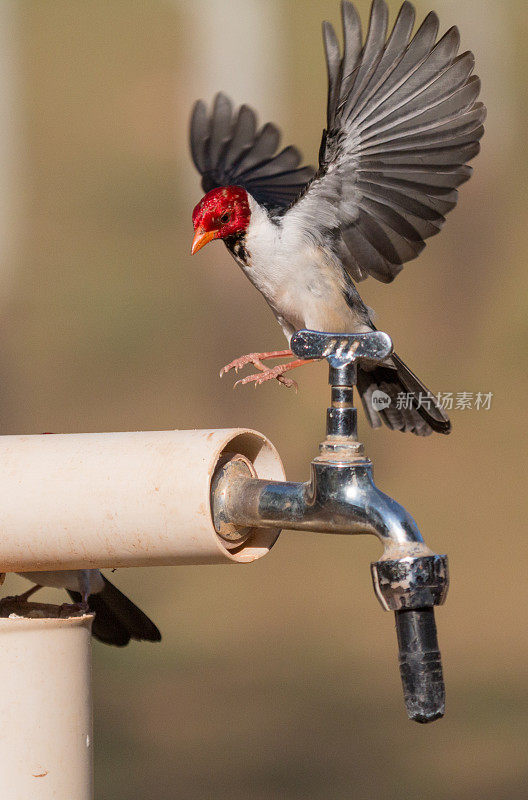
(341,497)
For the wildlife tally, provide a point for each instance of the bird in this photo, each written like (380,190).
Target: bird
(402,122)
(117,619)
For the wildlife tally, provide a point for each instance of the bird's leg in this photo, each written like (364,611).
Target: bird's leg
(255,359)
(30,592)
(84,590)
(277,373)
(84,585)
(21,598)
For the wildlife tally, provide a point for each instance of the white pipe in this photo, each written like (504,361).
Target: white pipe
(45,709)
(70,501)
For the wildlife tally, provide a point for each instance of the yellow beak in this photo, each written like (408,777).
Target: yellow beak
(201,238)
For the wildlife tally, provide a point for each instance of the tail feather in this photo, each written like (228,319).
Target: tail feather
(413,407)
(117,619)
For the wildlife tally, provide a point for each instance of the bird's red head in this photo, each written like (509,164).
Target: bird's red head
(223,212)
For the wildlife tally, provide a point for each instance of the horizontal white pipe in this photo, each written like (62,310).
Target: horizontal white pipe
(70,501)
(46,709)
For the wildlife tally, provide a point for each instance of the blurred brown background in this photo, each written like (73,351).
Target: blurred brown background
(276,680)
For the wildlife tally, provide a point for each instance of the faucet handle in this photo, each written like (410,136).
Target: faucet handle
(341,349)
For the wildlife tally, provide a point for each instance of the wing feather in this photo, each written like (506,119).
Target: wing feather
(244,130)
(229,149)
(394,50)
(403,120)
(419,79)
(371,53)
(417,50)
(333,66)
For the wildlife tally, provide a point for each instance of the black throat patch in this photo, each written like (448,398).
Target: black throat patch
(237,246)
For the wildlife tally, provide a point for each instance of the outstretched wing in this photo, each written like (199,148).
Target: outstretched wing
(402,122)
(229,150)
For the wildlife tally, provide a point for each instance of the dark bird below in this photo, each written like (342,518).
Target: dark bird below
(117,619)
(402,123)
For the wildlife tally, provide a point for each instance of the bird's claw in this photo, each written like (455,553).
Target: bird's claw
(268,375)
(69,609)
(241,361)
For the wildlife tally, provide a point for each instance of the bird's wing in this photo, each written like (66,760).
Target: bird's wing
(229,149)
(117,618)
(402,122)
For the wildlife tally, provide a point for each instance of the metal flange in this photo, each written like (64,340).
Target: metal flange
(411,582)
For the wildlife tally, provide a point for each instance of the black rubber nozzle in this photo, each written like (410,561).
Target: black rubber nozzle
(420,664)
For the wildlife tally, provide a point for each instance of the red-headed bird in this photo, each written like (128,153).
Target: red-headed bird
(402,121)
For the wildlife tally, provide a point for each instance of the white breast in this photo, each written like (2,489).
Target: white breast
(302,283)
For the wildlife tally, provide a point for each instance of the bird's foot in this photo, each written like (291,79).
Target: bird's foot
(256,359)
(67,609)
(275,373)
(268,375)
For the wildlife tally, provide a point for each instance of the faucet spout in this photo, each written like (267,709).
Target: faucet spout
(341,497)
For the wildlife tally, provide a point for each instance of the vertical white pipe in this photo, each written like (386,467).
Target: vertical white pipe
(45,709)
(235,44)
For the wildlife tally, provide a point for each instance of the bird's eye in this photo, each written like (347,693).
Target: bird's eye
(224,218)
